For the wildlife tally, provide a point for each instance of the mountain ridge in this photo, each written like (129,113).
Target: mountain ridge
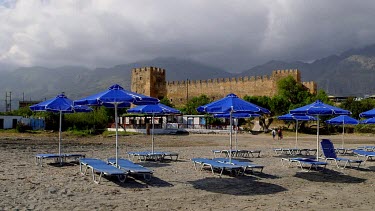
(350,73)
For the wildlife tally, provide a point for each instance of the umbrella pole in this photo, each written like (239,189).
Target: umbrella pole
(317,139)
(230,137)
(235,134)
(116,104)
(60,120)
(296,133)
(152,134)
(343,132)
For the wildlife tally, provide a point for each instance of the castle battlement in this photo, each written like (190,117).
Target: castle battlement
(237,79)
(154,70)
(283,72)
(308,82)
(151,81)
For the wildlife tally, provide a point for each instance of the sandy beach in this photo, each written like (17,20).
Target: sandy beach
(176,185)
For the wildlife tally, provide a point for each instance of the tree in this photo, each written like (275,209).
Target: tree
(293,91)
(98,119)
(194,103)
(357,107)
(321,95)
(279,105)
(166,102)
(25,111)
(262,101)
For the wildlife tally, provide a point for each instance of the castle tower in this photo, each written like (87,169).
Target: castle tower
(149,81)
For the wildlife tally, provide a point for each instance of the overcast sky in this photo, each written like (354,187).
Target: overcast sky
(233,35)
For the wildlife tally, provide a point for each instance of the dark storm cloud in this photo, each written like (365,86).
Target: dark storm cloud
(234,35)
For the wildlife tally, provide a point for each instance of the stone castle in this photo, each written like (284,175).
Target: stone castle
(151,81)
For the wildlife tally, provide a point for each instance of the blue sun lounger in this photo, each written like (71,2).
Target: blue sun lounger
(170,155)
(288,151)
(238,153)
(303,162)
(294,151)
(214,165)
(241,153)
(344,151)
(40,157)
(56,157)
(367,148)
(362,153)
(132,168)
(244,164)
(146,155)
(330,154)
(102,168)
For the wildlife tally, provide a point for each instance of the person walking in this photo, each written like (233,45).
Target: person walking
(273,133)
(280,134)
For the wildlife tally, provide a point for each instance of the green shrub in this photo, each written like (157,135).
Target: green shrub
(120,133)
(364,128)
(22,128)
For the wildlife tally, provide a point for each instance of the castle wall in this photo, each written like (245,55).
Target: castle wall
(312,86)
(180,91)
(151,81)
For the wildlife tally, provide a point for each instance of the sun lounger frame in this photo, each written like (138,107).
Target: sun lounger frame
(368,155)
(144,156)
(305,161)
(156,156)
(367,148)
(295,151)
(214,165)
(329,153)
(102,168)
(170,155)
(344,151)
(238,153)
(56,157)
(132,168)
(244,164)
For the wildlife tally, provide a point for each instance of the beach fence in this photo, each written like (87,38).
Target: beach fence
(34,123)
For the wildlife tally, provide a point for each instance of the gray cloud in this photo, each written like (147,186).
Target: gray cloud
(234,35)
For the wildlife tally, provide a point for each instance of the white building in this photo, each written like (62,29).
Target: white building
(9,122)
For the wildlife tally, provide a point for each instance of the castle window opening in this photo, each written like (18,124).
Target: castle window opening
(140,78)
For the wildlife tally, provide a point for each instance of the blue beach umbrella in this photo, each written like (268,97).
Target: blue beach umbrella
(236,116)
(342,120)
(317,109)
(368,114)
(290,117)
(368,121)
(116,97)
(60,104)
(229,105)
(155,109)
